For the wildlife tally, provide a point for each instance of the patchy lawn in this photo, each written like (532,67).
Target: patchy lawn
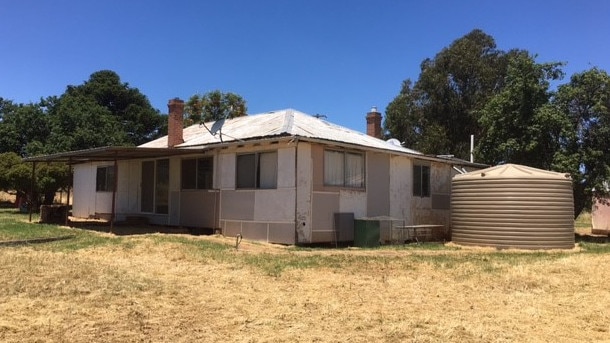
(97,287)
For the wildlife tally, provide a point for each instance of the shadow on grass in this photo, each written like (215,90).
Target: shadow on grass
(589,238)
(34,241)
(121,229)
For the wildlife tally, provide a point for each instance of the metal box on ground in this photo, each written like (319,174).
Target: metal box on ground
(366,233)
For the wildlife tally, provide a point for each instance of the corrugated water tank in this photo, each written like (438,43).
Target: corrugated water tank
(513,206)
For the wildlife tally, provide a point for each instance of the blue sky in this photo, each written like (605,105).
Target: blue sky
(336,58)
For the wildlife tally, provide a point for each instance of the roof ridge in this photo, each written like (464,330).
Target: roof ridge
(288,121)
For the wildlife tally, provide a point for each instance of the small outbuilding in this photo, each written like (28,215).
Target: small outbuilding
(513,206)
(600,217)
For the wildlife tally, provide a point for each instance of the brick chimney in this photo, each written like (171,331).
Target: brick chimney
(175,120)
(373,123)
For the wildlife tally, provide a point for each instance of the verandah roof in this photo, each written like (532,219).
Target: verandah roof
(111,153)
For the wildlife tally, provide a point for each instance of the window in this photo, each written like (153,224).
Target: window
(105,179)
(197,173)
(155,187)
(258,170)
(421,181)
(343,169)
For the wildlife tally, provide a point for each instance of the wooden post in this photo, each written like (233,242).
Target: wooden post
(68,195)
(116,180)
(32,182)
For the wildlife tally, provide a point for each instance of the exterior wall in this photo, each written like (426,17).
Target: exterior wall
(378,184)
(87,202)
(304,186)
(83,203)
(199,208)
(300,210)
(326,201)
(401,188)
(261,214)
(436,208)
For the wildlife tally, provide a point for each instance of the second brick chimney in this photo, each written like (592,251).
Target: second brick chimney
(373,123)
(175,120)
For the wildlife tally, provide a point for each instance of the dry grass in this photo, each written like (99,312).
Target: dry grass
(159,288)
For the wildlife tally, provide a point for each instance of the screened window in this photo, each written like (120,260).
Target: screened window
(421,181)
(197,173)
(257,170)
(105,179)
(343,169)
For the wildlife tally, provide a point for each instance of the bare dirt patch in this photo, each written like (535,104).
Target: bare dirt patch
(148,289)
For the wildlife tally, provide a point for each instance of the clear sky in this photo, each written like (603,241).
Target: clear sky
(336,58)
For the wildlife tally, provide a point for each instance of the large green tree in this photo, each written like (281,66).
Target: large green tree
(585,101)
(23,128)
(16,178)
(102,111)
(438,113)
(518,124)
(213,106)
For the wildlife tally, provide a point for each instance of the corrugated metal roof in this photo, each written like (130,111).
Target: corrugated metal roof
(286,122)
(253,128)
(512,171)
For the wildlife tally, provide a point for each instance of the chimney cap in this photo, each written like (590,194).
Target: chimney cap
(176,99)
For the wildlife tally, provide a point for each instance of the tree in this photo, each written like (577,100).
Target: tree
(102,111)
(16,177)
(404,119)
(23,128)
(518,123)
(213,106)
(585,100)
(79,122)
(440,112)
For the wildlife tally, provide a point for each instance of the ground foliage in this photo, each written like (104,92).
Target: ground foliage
(98,287)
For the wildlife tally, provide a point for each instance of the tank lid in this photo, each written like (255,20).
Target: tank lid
(512,171)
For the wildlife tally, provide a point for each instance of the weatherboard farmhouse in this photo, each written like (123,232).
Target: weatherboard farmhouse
(281,177)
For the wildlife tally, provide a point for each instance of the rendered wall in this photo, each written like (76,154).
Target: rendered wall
(304,184)
(260,214)
(435,209)
(83,202)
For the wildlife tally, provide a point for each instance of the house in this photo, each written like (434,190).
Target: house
(280,177)
(600,217)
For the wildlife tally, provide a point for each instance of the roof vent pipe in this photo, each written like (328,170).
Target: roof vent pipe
(471,148)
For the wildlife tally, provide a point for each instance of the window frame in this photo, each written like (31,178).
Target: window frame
(199,177)
(344,170)
(252,179)
(421,180)
(109,179)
